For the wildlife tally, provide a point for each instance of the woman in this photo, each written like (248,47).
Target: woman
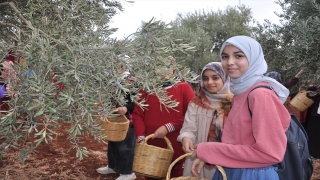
(251,144)
(161,121)
(206,114)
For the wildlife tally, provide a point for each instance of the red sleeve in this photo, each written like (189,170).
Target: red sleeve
(138,118)
(187,94)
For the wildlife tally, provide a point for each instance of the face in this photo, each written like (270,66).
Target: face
(212,81)
(234,61)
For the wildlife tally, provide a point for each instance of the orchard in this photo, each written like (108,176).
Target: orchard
(65,66)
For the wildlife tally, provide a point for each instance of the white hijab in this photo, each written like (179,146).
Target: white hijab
(257,67)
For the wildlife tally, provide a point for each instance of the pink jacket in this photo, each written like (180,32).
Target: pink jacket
(248,142)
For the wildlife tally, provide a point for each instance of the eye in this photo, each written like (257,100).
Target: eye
(216,78)
(240,55)
(224,56)
(205,78)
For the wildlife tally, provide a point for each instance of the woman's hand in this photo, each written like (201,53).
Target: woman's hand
(160,132)
(187,145)
(196,167)
(122,110)
(299,73)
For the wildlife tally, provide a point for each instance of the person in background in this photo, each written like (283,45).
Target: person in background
(252,141)
(161,121)
(7,78)
(206,114)
(120,154)
(312,124)
(289,84)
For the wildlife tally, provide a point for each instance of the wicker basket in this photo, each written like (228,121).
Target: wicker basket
(115,127)
(152,161)
(188,177)
(301,101)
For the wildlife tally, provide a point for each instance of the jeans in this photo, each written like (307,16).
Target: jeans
(266,173)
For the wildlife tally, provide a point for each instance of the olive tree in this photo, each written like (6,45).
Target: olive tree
(208,30)
(72,68)
(293,43)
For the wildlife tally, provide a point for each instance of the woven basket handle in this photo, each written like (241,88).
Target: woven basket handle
(114,111)
(224,176)
(165,138)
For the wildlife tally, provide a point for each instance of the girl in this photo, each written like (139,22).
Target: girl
(161,122)
(251,143)
(206,114)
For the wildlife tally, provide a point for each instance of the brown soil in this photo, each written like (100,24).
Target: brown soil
(54,162)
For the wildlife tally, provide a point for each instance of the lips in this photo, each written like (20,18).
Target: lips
(231,70)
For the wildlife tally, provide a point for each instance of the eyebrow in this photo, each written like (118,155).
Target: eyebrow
(233,53)
(212,75)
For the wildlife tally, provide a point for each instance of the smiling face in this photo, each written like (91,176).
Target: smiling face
(234,61)
(212,81)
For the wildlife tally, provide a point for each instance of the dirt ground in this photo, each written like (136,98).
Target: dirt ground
(53,162)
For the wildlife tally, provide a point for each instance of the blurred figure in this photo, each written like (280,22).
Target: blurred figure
(289,84)
(161,121)
(120,154)
(312,124)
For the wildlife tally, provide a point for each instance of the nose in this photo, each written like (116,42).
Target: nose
(210,81)
(230,61)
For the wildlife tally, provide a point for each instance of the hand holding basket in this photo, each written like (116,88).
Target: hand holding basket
(190,178)
(152,161)
(115,127)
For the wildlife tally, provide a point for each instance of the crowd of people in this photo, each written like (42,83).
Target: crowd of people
(229,122)
(215,124)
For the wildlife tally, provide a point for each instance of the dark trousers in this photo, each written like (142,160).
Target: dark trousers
(120,154)
(313,131)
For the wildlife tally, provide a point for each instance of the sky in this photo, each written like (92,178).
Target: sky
(130,19)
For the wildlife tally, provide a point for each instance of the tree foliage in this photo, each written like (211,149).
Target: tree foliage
(294,43)
(208,30)
(72,68)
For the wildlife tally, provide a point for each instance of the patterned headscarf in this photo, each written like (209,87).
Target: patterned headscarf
(217,68)
(257,67)
(219,102)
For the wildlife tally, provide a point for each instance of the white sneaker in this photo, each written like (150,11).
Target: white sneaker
(105,170)
(127,176)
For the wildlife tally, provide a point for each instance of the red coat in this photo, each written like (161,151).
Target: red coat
(148,121)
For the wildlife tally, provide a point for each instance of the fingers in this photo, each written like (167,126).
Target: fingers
(122,110)
(194,154)
(187,148)
(194,168)
(199,167)
(160,132)
(300,72)
(187,145)
(157,134)
(191,147)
